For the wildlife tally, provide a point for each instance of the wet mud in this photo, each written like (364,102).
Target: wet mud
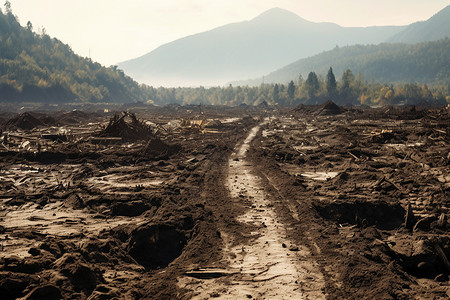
(196,202)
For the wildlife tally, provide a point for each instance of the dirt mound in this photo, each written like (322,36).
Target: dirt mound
(73,117)
(330,108)
(78,272)
(25,121)
(128,127)
(157,149)
(213,124)
(13,284)
(423,257)
(47,292)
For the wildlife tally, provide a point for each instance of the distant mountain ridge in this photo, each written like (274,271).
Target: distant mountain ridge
(435,28)
(246,49)
(387,63)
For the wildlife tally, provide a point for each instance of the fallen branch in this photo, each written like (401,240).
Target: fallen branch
(442,255)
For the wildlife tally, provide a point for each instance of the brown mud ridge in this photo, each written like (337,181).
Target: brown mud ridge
(232,203)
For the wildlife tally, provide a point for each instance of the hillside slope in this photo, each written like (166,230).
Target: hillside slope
(435,28)
(37,68)
(246,49)
(425,62)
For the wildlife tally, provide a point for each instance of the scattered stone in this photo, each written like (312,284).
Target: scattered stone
(293,248)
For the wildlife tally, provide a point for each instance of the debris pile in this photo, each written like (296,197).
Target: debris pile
(25,121)
(157,149)
(127,127)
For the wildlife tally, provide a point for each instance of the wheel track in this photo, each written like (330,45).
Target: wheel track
(268,265)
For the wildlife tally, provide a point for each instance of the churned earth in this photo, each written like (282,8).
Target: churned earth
(202,202)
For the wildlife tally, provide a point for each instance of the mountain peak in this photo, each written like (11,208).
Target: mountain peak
(278,14)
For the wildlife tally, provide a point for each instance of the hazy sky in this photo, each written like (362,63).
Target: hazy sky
(113,31)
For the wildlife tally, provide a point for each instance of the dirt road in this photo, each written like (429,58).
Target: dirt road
(267,265)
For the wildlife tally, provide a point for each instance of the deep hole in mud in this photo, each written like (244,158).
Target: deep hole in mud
(383,215)
(156,246)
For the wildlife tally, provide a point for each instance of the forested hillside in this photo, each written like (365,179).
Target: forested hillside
(386,63)
(37,68)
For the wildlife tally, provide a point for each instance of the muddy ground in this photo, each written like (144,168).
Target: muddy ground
(311,202)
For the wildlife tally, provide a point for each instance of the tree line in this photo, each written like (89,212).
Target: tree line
(349,89)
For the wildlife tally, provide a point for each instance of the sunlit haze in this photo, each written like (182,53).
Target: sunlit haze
(111,31)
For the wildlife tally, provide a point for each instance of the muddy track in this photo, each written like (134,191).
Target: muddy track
(266,264)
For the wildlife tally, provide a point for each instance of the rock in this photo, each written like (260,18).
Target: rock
(293,248)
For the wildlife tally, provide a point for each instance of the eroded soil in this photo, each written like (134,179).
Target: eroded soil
(204,202)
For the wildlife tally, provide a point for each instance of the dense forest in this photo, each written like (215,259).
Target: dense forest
(37,68)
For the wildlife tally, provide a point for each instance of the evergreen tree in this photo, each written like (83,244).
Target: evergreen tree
(276,93)
(291,91)
(312,84)
(331,83)
(347,79)
(8,7)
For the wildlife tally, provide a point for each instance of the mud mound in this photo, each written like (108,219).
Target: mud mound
(214,124)
(25,121)
(330,108)
(423,257)
(47,292)
(379,213)
(157,149)
(13,284)
(73,117)
(78,272)
(127,127)
(154,246)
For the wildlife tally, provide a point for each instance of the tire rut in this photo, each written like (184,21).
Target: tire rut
(267,265)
